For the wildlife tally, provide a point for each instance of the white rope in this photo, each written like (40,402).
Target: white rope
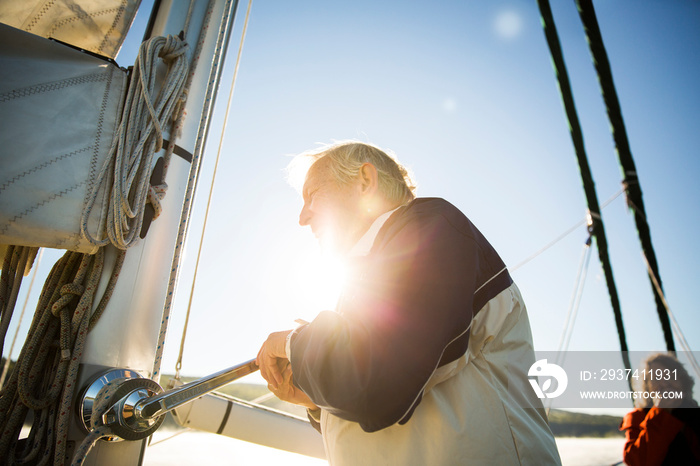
(127,170)
(178,364)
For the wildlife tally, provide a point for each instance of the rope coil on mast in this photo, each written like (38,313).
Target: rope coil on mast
(73,281)
(64,310)
(127,170)
(46,372)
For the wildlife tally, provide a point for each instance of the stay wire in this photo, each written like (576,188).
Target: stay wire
(676,328)
(566,233)
(575,299)
(178,364)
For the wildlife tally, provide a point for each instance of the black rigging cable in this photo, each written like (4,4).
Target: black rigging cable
(598,230)
(629,170)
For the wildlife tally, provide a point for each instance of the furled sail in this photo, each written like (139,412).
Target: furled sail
(59,109)
(98,26)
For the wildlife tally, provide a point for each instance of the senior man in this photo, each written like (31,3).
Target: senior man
(424,360)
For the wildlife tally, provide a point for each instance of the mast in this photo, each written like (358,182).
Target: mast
(131,331)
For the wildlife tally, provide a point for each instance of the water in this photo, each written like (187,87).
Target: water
(203,448)
(590,451)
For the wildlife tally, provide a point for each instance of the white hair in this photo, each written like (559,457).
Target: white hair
(344,161)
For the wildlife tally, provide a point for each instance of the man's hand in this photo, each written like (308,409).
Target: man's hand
(286,391)
(270,352)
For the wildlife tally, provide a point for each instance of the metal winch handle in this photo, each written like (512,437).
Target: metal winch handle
(154,406)
(140,404)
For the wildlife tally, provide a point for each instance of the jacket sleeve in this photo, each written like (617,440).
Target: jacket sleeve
(649,436)
(370,361)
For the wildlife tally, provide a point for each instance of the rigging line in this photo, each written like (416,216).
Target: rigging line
(577,304)
(624,153)
(676,327)
(573,306)
(576,134)
(575,298)
(551,243)
(6,367)
(188,18)
(178,364)
(565,234)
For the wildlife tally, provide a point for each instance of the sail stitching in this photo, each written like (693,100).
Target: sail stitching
(84,15)
(120,12)
(98,135)
(52,86)
(19,176)
(47,6)
(52,197)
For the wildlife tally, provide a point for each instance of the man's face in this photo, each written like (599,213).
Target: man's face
(331,210)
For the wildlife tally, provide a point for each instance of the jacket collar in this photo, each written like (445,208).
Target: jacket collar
(364,244)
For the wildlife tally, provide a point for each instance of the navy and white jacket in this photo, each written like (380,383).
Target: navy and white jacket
(406,315)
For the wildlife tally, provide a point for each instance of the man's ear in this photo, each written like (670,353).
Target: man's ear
(369,178)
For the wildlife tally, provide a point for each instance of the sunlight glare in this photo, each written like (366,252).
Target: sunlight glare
(319,282)
(508,24)
(449,105)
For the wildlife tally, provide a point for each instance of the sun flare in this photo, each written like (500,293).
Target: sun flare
(320,281)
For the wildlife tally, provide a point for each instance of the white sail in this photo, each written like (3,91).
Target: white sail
(98,26)
(59,109)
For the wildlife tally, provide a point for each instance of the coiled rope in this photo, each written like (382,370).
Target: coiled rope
(16,261)
(46,370)
(127,170)
(6,367)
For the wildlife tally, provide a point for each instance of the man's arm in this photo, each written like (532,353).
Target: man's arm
(369,362)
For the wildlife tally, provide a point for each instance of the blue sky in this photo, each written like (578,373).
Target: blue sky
(464,93)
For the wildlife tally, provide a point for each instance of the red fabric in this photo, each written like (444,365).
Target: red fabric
(649,435)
